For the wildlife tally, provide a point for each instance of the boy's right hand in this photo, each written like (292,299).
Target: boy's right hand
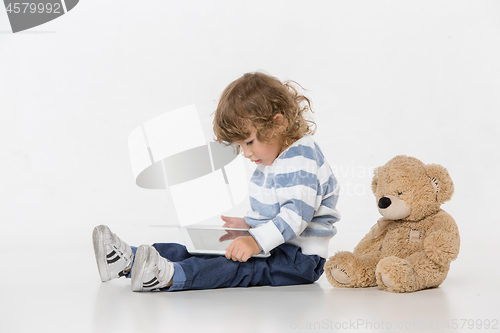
(234,222)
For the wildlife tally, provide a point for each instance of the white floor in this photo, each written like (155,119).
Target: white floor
(50,284)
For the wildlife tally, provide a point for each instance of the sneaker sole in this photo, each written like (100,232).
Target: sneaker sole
(100,254)
(141,259)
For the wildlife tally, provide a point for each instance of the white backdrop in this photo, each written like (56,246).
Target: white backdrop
(420,78)
(386,78)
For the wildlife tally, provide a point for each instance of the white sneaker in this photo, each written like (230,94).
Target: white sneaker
(114,257)
(150,271)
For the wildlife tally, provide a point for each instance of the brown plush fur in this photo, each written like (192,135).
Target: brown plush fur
(412,245)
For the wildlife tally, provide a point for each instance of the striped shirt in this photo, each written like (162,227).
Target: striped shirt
(293,200)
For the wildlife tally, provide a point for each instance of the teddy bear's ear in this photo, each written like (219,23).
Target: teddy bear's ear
(376,171)
(441,182)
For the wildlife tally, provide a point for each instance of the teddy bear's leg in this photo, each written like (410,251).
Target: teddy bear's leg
(396,275)
(340,275)
(414,273)
(348,270)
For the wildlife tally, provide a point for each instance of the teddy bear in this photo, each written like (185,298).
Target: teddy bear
(411,246)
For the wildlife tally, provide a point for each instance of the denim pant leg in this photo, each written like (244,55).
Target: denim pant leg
(286,266)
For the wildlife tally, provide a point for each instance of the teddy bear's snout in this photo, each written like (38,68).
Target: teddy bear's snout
(393,208)
(384,202)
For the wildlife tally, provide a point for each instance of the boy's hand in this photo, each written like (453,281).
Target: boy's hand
(234,222)
(232,234)
(242,248)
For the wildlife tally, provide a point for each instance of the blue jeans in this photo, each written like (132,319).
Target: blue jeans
(286,266)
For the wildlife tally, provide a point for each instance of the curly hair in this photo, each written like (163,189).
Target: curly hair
(252,101)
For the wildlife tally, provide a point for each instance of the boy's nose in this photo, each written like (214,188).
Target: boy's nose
(247,153)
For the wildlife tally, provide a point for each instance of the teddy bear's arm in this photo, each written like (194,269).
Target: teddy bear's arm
(372,242)
(369,244)
(442,243)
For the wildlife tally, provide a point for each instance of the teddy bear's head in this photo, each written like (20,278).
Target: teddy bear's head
(407,189)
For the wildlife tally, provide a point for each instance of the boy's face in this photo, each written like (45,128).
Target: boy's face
(258,151)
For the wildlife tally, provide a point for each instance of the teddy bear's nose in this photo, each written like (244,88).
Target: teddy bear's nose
(384,202)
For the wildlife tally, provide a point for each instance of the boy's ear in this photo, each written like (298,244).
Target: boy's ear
(279,120)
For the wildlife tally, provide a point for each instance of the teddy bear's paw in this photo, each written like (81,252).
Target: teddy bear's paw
(442,247)
(336,272)
(386,280)
(340,275)
(346,270)
(396,275)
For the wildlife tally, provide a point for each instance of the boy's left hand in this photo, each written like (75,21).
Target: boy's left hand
(242,248)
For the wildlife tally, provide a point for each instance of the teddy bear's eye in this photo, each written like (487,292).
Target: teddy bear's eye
(400,193)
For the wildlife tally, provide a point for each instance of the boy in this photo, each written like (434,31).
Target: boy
(293,194)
